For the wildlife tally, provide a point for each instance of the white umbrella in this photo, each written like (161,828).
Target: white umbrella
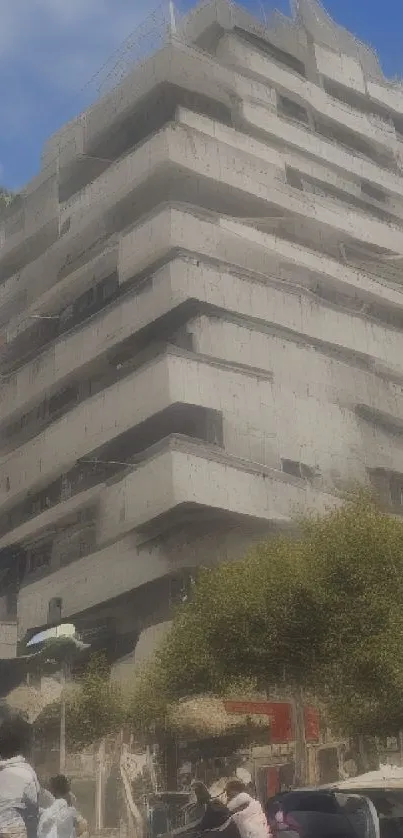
(64,630)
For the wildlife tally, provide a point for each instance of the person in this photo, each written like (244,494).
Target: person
(19,786)
(246,812)
(214,812)
(61,819)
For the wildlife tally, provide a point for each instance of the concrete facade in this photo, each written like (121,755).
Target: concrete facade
(201,308)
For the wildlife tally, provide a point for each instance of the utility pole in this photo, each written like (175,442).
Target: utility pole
(301,761)
(62,744)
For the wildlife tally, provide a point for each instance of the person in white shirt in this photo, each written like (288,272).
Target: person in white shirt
(19,786)
(246,812)
(61,819)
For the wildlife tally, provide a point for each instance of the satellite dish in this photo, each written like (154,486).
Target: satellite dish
(66,630)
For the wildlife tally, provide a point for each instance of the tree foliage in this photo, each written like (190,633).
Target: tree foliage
(322,611)
(95,708)
(6,199)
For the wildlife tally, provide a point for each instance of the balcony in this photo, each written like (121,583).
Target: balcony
(177,479)
(31,226)
(179,287)
(388,95)
(35,332)
(190,474)
(24,526)
(176,64)
(236,52)
(256,118)
(173,378)
(212,167)
(193,166)
(340,68)
(81,486)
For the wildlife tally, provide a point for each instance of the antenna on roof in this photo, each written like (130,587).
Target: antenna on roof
(172,18)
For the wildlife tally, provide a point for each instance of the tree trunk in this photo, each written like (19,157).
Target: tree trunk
(301,756)
(171,763)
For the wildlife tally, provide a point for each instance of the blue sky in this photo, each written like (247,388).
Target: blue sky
(51,49)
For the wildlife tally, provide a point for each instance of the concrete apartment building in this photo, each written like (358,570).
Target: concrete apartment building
(202,313)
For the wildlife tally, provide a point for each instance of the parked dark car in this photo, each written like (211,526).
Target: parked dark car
(321,814)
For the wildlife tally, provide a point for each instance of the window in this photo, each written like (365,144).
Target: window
(84,302)
(62,399)
(271,50)
(373,192)
(291,110)
(297,469)
(55,611)
(388,486)
(75,545)
(39,556)
(396,490)
(107,289)
(180,588)
(294,178)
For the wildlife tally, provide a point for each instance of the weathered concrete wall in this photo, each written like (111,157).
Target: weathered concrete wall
(8,639)
(241,235)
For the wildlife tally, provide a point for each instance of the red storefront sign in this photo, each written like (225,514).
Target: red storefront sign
(312,724)
(280,714)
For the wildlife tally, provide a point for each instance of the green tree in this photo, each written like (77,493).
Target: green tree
(95,707)
(321,612)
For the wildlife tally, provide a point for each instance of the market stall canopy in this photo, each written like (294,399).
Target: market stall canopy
(47,660)
(31,701)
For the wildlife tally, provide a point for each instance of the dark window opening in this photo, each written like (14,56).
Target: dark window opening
(305,183)
(76,545)
(297,469)
(373,192)
(291,110)
(55,611)
(355,100)
(279,55)
(27,345)
(180,588)
(396,490)
(11,596)
(343,136)
(294,178)
(39,556)
(85,302)
(388,486)
(62,399)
